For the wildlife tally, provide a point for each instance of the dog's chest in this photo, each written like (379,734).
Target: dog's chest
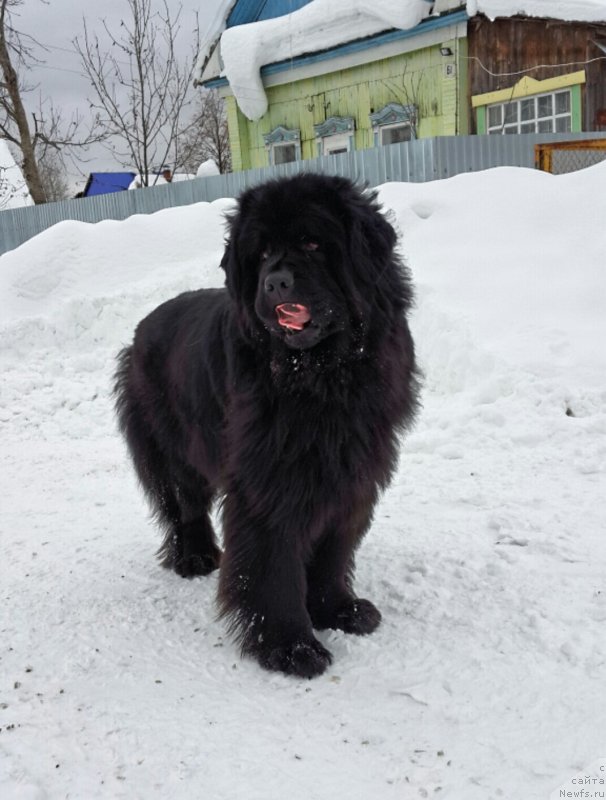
(340,432)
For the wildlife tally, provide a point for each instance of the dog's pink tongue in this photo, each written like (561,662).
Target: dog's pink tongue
(292,316)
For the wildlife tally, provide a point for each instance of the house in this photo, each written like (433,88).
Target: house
(565,91)
(106,183)
(303,78)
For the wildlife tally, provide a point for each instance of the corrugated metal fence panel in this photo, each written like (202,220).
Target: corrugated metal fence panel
(417,161)
(457,154)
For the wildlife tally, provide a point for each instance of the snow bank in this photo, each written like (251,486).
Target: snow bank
(316,26)
(523,301)
(82,260)
(487,556)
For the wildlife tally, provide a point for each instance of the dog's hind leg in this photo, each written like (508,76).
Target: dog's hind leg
(179,496)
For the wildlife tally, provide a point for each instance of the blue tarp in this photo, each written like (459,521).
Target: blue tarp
(107,182)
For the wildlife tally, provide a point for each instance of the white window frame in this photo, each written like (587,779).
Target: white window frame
(393,115)
(405,125)
(536,124)
(338,142)
(335,133)
(282,137)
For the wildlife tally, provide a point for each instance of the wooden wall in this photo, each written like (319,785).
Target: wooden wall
(418,78)
(509,45)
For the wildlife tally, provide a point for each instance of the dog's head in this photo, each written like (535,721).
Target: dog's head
(306,258)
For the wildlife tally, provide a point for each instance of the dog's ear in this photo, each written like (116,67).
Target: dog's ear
(372,238)
(230,267)
(372,246)
(238,260)
(225,260)
(229,262)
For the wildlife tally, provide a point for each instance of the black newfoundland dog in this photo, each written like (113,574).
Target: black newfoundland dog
(283,394)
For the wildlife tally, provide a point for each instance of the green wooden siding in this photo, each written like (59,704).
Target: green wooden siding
(576,106)
(417,78)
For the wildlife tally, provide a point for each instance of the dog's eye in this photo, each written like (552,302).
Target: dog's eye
(310,246)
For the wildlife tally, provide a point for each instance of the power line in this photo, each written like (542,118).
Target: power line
(532,69)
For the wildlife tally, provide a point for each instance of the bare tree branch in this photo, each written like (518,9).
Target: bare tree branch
(32,134)
(141,88)
(206,136)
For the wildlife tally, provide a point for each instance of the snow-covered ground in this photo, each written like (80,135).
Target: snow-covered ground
(487,556)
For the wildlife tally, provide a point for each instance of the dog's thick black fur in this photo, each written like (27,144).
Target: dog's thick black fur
(293,422)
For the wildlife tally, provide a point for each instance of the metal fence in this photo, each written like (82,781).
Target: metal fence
(417,161)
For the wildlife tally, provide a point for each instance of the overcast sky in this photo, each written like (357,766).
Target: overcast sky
(56,23)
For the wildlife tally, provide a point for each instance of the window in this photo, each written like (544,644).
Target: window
(552,105)
(332,145)
(283,145)
(284,153)
(392,134)
(335,135)
(393,123)
(542,113)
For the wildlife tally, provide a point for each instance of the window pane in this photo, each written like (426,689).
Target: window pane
(495,116)
(511,129)
(284,153)
(545,126)
(563,125)
(400,133)
(527,127)
(337,143)
(527,109)
(562,102)
(511,113)
(545,105)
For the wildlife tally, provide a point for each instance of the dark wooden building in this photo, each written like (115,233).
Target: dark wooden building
(536,75)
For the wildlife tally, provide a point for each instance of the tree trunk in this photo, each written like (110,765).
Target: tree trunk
(25,141)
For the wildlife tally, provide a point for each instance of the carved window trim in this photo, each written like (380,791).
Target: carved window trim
(393,115)
(335,132)
(282,137)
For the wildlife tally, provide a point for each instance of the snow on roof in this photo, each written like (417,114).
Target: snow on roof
(214,29)
(323,24)
(13,189)
(207,169)
(569,10)
(317,26)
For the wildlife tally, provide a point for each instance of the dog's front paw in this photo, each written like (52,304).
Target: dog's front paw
(353,615)
(358,616)
(305,658)
(194,564)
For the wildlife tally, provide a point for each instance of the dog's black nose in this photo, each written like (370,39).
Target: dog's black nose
(279,283)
